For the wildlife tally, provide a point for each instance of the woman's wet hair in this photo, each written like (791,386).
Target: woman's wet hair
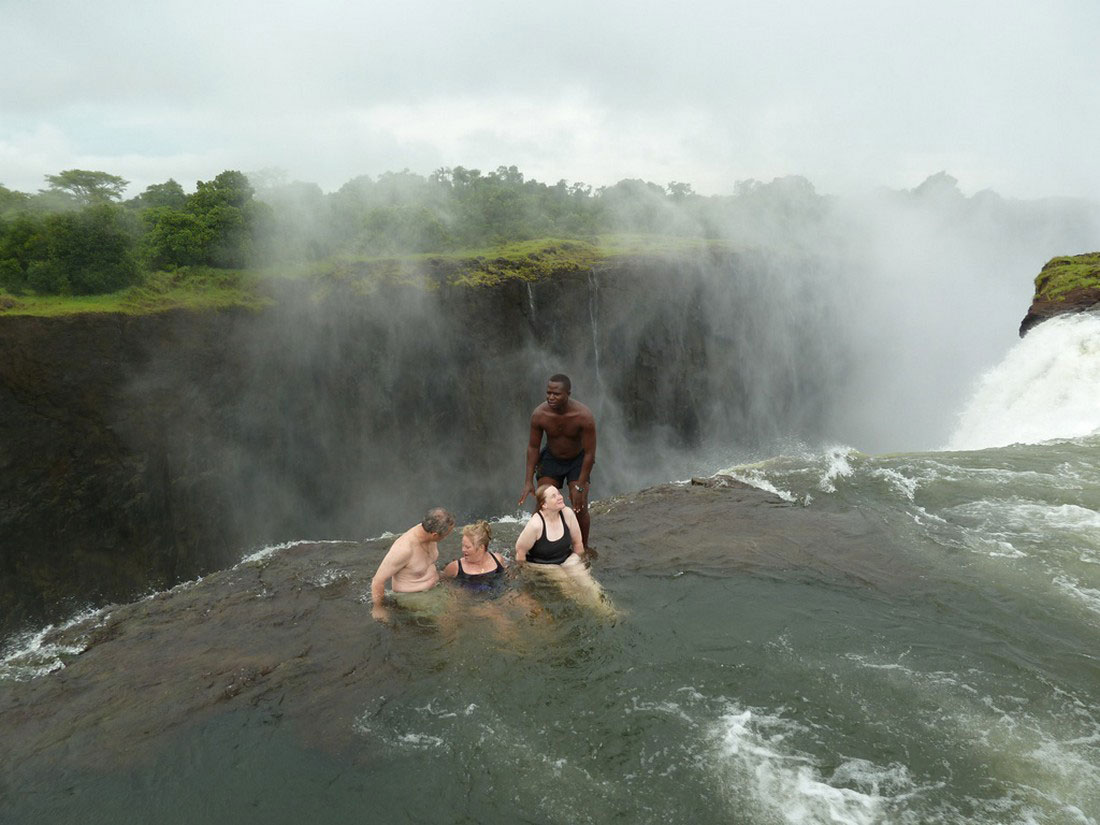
(540,493)
(479,532)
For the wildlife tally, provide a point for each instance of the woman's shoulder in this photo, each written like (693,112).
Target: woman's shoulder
(451,570)
(503,562)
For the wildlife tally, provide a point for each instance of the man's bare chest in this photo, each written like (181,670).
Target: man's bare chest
(422,559)
(562,426)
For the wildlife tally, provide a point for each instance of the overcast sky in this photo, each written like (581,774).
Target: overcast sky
(852,94)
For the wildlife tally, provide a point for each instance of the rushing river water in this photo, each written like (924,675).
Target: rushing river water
(910,638)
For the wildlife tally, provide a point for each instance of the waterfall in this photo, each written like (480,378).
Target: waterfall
(1046,387)
(593,307)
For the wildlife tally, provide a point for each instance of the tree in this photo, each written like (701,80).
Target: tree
(217,226)
(12,201)
(941,186)
(172,238)
(94,249)
(81,253)
(168,194)
(88,187)
(679,192)
(634,205)
(22,242)
(399,229)
(230,188)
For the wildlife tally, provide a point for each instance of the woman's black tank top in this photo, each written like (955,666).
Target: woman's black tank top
(546,551)
(481,581)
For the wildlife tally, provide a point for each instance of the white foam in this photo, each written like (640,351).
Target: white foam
(899,481)
(329,577)
(836,466)
(271,549)
(756,478)
(786,785)
(30,655)
(1088,596)
(1047,387)
(1037,521)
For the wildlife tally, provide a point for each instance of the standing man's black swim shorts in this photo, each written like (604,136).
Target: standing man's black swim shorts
(561,470)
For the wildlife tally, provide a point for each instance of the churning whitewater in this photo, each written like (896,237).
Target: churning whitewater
(1047,387)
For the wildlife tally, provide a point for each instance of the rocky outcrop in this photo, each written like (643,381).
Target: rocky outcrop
(139,451)
(1064,285)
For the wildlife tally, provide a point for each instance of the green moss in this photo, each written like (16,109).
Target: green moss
(1060,276)
(201,288)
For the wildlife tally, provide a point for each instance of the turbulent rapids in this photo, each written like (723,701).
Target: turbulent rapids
(824,636)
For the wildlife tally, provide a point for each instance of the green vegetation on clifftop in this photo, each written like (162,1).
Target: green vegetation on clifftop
(204,288)
(195,289)
(78,238)
(1062,276)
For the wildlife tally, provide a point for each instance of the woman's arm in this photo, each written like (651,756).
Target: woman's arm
(451,570)
(526,539)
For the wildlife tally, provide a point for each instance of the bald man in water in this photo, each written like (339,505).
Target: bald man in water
(410,561)
(570,453)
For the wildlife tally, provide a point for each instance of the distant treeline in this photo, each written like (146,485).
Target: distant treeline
(78,236)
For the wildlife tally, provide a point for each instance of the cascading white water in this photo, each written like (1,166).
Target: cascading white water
(1047,386)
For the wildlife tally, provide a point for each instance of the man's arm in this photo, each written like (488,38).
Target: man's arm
(578,490)
(534,443)
(395,560)
(588,444)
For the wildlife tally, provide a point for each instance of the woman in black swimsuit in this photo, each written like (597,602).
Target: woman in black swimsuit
(551,543)
(478,569)
(553,535)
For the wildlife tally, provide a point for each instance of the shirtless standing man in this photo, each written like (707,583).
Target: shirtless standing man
(410,561)
(570,451)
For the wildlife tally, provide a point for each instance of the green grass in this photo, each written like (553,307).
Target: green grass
(1060,276)
(193,289)
(212,289)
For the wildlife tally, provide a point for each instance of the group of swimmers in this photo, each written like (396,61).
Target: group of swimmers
(554,540)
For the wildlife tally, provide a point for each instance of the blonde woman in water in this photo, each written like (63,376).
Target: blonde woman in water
(479,569)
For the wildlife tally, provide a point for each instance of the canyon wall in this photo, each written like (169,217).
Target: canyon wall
(139,451)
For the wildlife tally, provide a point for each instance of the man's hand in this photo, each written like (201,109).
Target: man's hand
(529,490)
(380,613)
(578,496)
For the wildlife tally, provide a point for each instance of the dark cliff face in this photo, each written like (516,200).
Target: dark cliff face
(141,451)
